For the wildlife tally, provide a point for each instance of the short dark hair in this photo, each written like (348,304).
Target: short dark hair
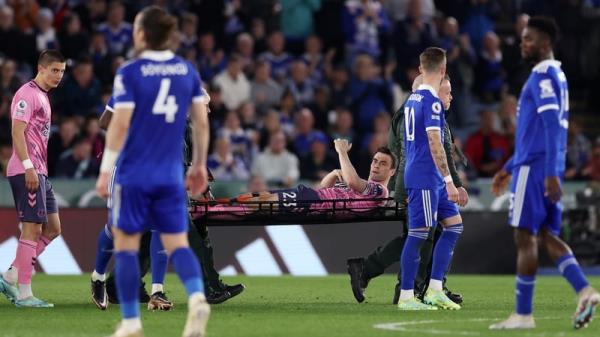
(432,57)
(48,56)
(386,150)
(158,26)
(546,25)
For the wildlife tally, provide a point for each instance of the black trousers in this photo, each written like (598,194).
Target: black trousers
(388,254)
(199,243)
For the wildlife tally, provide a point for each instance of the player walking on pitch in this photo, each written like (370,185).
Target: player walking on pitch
(430,188)
(28,177)
(538,165)
(152,96)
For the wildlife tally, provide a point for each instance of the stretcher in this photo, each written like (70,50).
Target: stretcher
(228,212)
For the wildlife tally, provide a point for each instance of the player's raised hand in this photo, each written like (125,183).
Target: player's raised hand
(463,197)
(32,181)
(452,192)
(196,180)
(102,185)
(553,189)
(500,182)
(342,145)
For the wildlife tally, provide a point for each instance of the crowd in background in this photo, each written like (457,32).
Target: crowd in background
(287,76)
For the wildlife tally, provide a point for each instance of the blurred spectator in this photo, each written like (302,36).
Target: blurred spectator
(363,22)
(287,109)
(95,137)
(340,87)
(234,20)
(26,14)
(460,55)
(314,59)
(117,32)
(80,95)
(478,20)
(365,156)
(592,170)
(319,161)
(490,74)
(299,84)
(305,132)
(398,9)
(188,34)
(217,106)
(9,82)
(10,36)
(211,60)
(516,69)
(45,35)
(60,142)
(342,125)
(412,36)
(74,42)
(487,149)
(381,126)
(248,118)
(240,139)
(224,165)
(370,94)
(77,162)
(245,49)
(235,87)
(91,12)
(277,57)
(271,123)
(101,59)
(258,32)
(297,22)
(321,107)
(276,164)
(5,153)
(257,184)
(578,151)
(264,91)
(507,113)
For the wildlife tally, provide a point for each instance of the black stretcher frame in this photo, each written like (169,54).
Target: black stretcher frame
(269,214)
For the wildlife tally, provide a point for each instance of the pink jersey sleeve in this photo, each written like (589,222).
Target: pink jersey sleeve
(23,105)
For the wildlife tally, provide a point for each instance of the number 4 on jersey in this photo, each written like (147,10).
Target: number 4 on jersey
(165,104)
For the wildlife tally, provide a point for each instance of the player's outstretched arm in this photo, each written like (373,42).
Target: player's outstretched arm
(439,158)
(197,178)
(348,171)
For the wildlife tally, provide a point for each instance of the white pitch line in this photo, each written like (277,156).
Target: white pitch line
(407,327)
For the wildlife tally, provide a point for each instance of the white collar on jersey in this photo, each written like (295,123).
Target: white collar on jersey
(428,87)
(545,64)
(157,55)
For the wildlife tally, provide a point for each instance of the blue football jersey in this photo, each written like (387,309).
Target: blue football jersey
(110,105)
(545,92)
(160,87)
(423,111)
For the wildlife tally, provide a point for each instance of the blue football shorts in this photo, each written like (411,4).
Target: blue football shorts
(425,207)
(529,209)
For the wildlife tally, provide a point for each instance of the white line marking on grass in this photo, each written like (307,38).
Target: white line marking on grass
(416,326)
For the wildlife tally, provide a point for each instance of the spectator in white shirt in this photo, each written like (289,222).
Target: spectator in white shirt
(276,164)
(234,84)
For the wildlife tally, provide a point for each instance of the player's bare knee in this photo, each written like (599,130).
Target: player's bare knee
(525,240)
(31,231)
(451,221)
(172,242)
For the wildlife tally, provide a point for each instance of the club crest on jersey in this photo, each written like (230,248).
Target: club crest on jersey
(21,107)
(436,107)
(546,89)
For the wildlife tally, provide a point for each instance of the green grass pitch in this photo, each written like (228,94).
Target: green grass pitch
(302,306)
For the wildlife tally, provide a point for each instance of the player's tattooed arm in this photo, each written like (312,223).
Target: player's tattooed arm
(437,152)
